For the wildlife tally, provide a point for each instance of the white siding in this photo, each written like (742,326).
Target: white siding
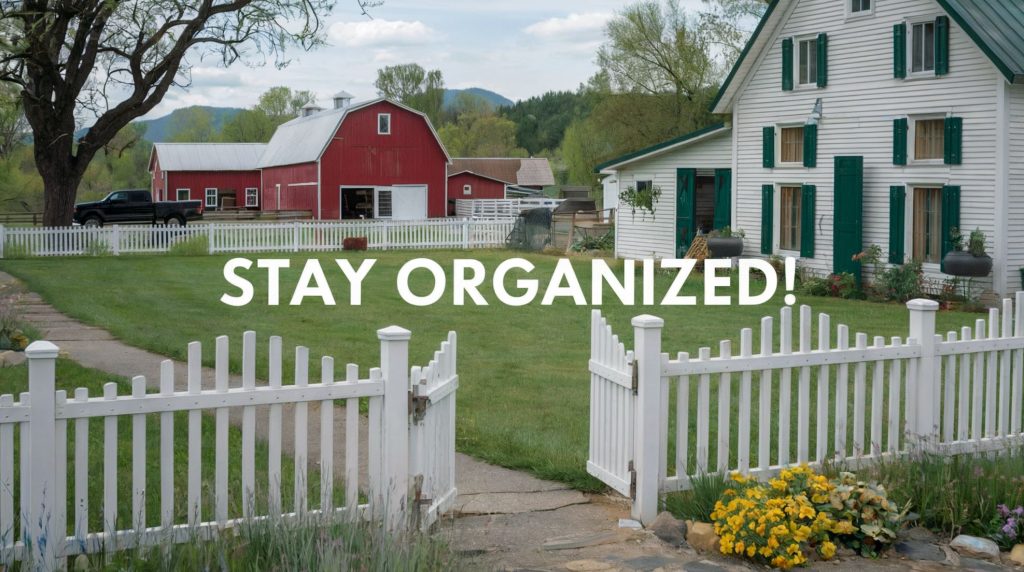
(859,105)
(642,235)
(1015,212)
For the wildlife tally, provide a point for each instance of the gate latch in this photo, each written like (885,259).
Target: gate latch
(418,406)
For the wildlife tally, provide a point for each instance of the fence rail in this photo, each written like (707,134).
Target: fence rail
(296,236)
(500,208)
(39,526)
(845,398)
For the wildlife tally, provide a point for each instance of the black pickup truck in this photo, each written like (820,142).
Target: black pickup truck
(136,206)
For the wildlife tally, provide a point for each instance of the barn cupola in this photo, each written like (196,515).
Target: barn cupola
(342,100)
(310,109)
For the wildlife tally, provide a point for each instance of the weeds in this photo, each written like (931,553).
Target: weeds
(195,246)
(698,502)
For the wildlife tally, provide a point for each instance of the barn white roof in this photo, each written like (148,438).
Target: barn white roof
(302,139)
(209,156)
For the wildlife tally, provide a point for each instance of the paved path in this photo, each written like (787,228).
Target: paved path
(503,519)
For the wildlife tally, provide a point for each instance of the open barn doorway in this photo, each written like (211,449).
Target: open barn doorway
(357,203)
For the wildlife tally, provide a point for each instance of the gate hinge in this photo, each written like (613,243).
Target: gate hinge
(632,481)
(635,378)
(418,406)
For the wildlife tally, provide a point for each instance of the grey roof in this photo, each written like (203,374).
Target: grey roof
(532,172)
(303,139)
(535,172)
(209,156)
(343,95)
(997,26)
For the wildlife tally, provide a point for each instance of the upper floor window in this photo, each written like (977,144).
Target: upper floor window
(922,47)
(860,6)
(929,139)
(384,124)
(467,189)
(791,145)
(808,50)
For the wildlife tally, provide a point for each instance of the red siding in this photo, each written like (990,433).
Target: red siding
(157,179)
(295,195)
(198,181)
(483,188)
(410,155)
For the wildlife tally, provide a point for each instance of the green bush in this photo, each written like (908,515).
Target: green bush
(900,283)
(97,248)
(875,518)
(195,246)
(814,286)
(698,502)
(586,242)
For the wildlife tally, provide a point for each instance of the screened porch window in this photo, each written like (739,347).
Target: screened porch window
(927,236)
(789,218)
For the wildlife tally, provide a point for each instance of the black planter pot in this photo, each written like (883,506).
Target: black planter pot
(967,265)
(722,247)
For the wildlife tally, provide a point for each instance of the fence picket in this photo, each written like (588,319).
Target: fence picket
(1004,371)
(978,383)
(274,431)
(7,478)
(842,393)
(81,471)
(703,414)
(785,382)
(743,444)
(821,419)
(351,442)
(60,453)
(682,419)
(327,438)
(110,470)
(724,408)
(138,458)
(859,397)
(301,426)
(877,389)
(895,429)
(166,447)
(803,416)
(964,402)
(1017,403)
(949,392)
(764,413)
(221,432)
(195,427)
(991,398)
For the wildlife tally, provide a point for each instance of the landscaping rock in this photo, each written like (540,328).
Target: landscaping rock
(630,524)
(922,551)
(975,547)
(701,536)
(587,566)
(918,533)
(11,358)
(979,565)
(669,529)
(584,540)
(81,563)
(1016,555)
(702,566)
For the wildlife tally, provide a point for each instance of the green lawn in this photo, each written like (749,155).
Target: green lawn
(523,396)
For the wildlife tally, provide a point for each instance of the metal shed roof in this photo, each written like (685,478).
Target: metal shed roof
(209,156)
(303,139)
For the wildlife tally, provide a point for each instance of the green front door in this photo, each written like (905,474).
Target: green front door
(686,209)
(723,198)
(848,215)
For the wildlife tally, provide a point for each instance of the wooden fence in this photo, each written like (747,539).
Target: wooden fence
(55,521)
(856,399)
(500,208)
(297,236)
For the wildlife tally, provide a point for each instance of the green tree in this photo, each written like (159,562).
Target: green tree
(730,23)
(541,121)
(281,104)
(478,132)
(195,125)
(13,126)
(414,86)
(248,126)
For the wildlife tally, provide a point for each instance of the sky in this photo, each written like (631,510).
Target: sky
(516,48)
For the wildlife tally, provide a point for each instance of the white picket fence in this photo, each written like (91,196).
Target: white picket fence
(871,398)
(296,236)
(500,208)
(405,452)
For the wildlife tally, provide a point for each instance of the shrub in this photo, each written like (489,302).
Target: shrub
(195,246)
(874,518)
(900,282)
(586,242)
(355,243)
(815,286)
(844,286)
(699,502)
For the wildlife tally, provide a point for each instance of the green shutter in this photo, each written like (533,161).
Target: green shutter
(767,211)
(686,209)
(897,224)
(950,216)
(787,64)
(942,45)
(768,147)
(899,141)
(810,145)
(822,60)
(953,141)
(723,198)
(807,226)
(899,51)
(848,215)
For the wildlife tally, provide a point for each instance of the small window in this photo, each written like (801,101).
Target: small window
(644,185)
(860,6)
(211,198)
(808,71)
(922,47)
(384,204)
(467,189)
(929,139)
(789,218)
(252,197)
(791,143)
(927,239)
(183,194)
(383,124)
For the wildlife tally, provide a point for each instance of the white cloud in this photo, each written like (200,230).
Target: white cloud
(372,33)
(572,25)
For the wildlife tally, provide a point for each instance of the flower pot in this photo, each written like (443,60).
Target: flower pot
(722,247)
(354,243)
(967,265)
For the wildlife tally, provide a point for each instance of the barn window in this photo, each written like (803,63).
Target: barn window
(927,238)
(791,145)
(467,189)
(211,198)
(789,218)
(922,47)
(252,197)
(928,138)
(183,194)
(384,203)
(383,124)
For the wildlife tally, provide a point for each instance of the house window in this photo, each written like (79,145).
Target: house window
(211,198)
(252,197)
(808,72)
(791,143)
(384,204)
(929,139)
(383,124)
(860,6)
(927,238)
(789,218)
(643,185)
(467,189)
(922,47)
(183,194)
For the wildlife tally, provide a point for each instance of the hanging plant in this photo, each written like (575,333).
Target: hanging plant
(642,200)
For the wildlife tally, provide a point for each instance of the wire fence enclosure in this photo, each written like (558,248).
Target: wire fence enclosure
(657,419)
(295,236)
(50,512)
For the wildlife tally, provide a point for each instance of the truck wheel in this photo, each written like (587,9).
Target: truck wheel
(174,221)
(92,221)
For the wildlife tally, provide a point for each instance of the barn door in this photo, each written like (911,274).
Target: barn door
(723,198)
(686,209)
(848,215)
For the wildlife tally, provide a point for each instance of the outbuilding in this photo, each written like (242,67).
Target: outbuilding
(222,175)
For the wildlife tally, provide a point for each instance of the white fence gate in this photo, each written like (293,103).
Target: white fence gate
(410,456)
(229,237)
(871,398)
(500,208)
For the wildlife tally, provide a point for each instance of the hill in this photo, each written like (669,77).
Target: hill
(495,99)
(160,129)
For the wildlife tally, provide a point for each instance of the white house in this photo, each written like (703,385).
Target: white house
(886,122)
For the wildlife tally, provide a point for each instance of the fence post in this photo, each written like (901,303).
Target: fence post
(40,506)
(209,236)
(647,364)
(922,329)
(117,241)
(3,239)
(394,364)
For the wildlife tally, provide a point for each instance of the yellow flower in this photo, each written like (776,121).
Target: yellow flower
(828,550)
(806,512)
(739,547)
(751,551)
(793,549)
(843,527)
(773,542)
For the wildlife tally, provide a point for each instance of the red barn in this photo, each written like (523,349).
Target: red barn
(219,174)
(497,178)
(378,159)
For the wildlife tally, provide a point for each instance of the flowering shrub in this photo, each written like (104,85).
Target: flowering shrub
(777,524)
(872,517)
(1008,525)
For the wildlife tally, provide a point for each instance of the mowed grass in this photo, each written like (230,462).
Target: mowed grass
(524,386)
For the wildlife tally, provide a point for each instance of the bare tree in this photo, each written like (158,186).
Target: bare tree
(116,60)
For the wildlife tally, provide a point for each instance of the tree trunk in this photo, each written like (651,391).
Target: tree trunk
(60,185)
